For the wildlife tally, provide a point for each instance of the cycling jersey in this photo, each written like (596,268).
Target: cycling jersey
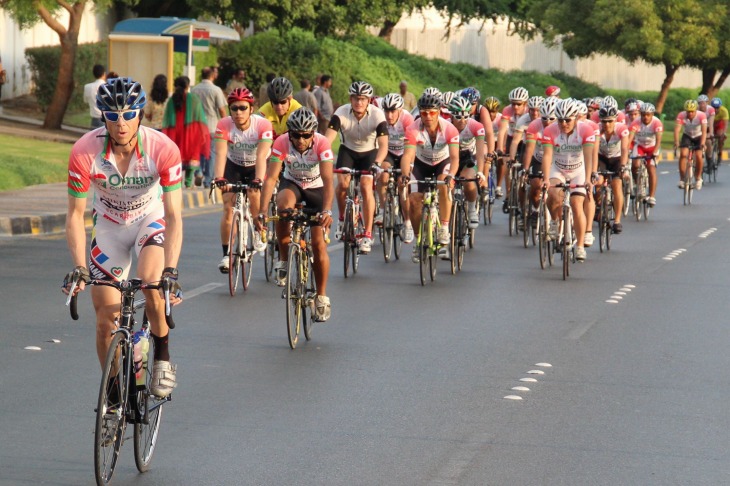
(496,121)
(568,148)
(510,118)
(709,112)
(279,124)
(302,169)
(243,144)
(611,146)
(469,135)
(522,123)
(128,198)
(417,137)
(534,134)
(397,132)
(645,135)
(359,135)
(692,128)
(721,114)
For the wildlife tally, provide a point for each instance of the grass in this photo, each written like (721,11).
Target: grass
(26,162)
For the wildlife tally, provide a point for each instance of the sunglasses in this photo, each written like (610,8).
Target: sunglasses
(429,112)
(565,120)
(113,116)
(608,120)
(298,135)
(459,117)
(238,108)
(548,118)
(280,102)
(515,103)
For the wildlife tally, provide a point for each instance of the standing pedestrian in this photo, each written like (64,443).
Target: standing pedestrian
(214,105)
(409,99)
(186,125)
(90,90)
(3,78)
(238,80)
(154,111)
(324,102)
(305,96)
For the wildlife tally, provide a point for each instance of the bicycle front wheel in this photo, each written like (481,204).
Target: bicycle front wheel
(399,228)
(149,415)
(235,250)
(567,243)
(111,410)
(294,295)
(604,225)
(248,254)
(310,293)
(270,252)
(424,245)
(386,230)
(453,246)
(348,236)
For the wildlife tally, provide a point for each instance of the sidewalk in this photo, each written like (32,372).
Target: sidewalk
(41,209)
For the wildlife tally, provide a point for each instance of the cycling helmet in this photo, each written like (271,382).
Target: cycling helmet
(361,88)
(120,94)
(582,108)
(648,108)
(432,91)
(552,91)
(607,112)
(392,101)
(240,94)
(302,120)
(716,103)
(471,94)
(690,105)
(567,108)
(702,97)
(447,96)
(280,89)
(492,103)
(518,94)
(535,102)
(609,101)
(459,105)
(547,108)
(429,101)
(628,101)
(634,106)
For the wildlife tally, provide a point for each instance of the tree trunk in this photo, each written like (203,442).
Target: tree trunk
(708,79)
(718,84)
(387,30)
(669,70)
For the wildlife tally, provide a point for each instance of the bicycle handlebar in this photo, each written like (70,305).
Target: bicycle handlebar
(348,171)
(645,157)
(233,187)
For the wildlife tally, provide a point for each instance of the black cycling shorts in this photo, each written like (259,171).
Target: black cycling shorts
(238,173)
(690,142)
(466,161)
(422,170)
(313,198)
(610,163)
(355,160)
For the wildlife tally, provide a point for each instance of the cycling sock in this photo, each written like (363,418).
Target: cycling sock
(225,250)
(161,351)
(368,234)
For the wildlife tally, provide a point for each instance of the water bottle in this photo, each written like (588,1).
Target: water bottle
(141,341)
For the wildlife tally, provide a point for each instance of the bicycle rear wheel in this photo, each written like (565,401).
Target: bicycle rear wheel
(399,228)
(603,223)
(453,247)
(348,236)
(526,226)
(271,245)
(111,420)
(235,250)
(294,296)
(424,244)
(149,415)
(386,230)
(626,186)
(464,236)
(308,303)
(247,255)
(567,243)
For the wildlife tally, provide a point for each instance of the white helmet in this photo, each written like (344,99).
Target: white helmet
(535,102)
(447,96)
(567,108)
(392,101)
(518,94)
(609,101)
(648,108)
(582,108)
(547,108)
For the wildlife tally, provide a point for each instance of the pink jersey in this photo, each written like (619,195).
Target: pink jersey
(302,169)
(595,126)
(534,134)
(495,122)
(645,135)
(510,117)
(243,144)
(523,122)
(469,135)
(125,199)
(426,152)
(692,128)
(611,146)
(709,111)
(568,148)
(397,133)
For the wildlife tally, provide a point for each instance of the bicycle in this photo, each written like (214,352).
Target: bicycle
(461,234)
(566,234)
(353,227)
(300,290)
(124,393)
(606,214)
(629,190)
(487,196)
(240,241)
(427,244)
(272,248)
(529,232)
(640,205)
(689,175)
(545,246)
(713,161)
(513,200)
(392,231)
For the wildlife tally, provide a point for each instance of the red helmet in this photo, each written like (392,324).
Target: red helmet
(240,94)
(552,91)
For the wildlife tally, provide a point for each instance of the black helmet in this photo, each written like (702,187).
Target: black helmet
(279,89)
(120,94)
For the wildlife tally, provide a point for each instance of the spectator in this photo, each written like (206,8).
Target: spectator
(237,81)
(215,107)
(409,99)
(324,102)
(186,125)
(264,89)
(90,90)
(305,96)
(213,73)
(154,111)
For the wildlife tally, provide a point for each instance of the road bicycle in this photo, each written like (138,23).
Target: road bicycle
(566,233)
(461,234)
(513,199)
(353,227)
(629,189)
(606,214)
(529,230)
(392,231)
(427,243)
(271,254)
(240,241)
(300,290)
(639,204)
(689,176)
(124,392)
(545,246)
(713,161)
(487,195)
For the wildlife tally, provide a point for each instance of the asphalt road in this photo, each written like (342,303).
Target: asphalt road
(406,384)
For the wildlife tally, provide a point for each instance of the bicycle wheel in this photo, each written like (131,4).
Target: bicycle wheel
(512,212)
(688,180)
(310,294)
(111,420)
(359,230)
(542,236)
(149,415)
(453,246)
(235,249)
(567,243)
(526,220)
(248,254)
(424,244)
(399,228)
(603,223)
(348,236)
(609,228)
(647,208)
(386,230)
(639,196)
(464,236)
(293,295)
(271,244)
(626,186)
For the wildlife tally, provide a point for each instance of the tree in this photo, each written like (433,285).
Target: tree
(672,33)
(721,64)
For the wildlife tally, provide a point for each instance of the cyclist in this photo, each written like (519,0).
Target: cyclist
(481,114)
(398,122)
(646,137)
(518,106)
(446,98)
(492,104)
(364,146)
(631,112)
(130,167)
(281,104)
(720,126)
(517,147)
(567,153)
(306,157)
(432,143)
(693,125)
(606,102)
(532,155)
(613,155)
(589,204)
(415,112)
(471,154)
(703,104)
(552,92)
(242,144)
